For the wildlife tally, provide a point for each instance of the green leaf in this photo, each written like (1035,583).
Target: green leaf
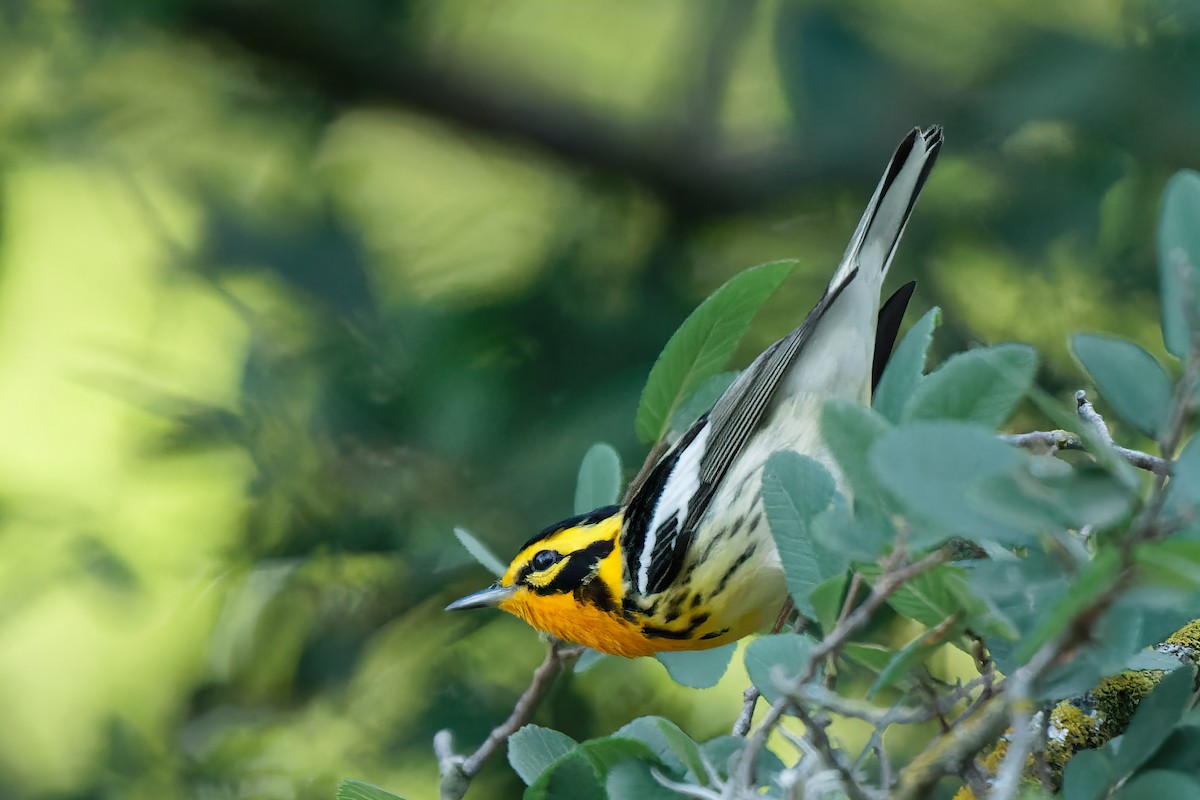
(599,482)
(1152,723)
(1088,775)
(1159,784)
(1183,493)
(687,750)
(906,368)
(698,402)
(1129,378)
(795,489)
(1097,578)
(932,470)
(903,662)
(698,669)
(874,657)
(588,659)
(722,750)
(932,596)
(571,777)
(849,430)
(1178,255)
(827,600)
(649,732)
(357,790)
(1180,751)
(634,780)
(533,748)
(981,386)
(703,343)
(480,552)
(583,772)
(776,662)
(1170,563)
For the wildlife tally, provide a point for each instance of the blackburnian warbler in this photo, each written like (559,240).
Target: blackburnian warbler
(688,562)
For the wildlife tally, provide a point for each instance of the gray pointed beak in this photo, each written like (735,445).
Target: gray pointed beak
(494,595)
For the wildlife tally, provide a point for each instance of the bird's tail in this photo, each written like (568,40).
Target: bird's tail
(874,242)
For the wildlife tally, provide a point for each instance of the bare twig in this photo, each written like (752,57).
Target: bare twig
(1088,414)
(456,772)
(741,725)
(887,584)
(816,733)
(1065,440)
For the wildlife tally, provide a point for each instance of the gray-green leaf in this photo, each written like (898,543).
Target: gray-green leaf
(698,669)
(533,748)
(1128,377)
(795,489)
(776,662)
(906,368)
(931,469)
(700,347)
(1179,259)
(480,552)
(1154,720)
(981,386)
(599,482)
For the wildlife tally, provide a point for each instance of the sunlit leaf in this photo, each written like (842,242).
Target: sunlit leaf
(700,347)
(357,790)
(906,368)
(1128,377)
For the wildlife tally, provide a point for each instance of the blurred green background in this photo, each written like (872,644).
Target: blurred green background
(289,290)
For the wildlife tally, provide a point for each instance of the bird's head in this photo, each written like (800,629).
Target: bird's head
(568,581)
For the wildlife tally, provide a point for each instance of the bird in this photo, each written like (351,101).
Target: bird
(687,561)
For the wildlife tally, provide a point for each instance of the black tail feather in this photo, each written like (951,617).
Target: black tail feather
(888,328)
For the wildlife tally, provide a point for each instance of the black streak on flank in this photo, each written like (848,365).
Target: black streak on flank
(715,634)
(742,559)
(652,632)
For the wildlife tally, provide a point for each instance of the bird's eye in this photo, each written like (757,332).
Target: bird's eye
(546,559)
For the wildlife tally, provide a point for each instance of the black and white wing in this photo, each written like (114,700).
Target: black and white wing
(662,515)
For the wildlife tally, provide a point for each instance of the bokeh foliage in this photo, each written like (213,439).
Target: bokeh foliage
(281,304)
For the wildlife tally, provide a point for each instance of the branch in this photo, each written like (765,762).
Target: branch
(1065,440)
(456,772)
(887,584)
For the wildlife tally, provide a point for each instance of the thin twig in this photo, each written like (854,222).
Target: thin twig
(457,771)
(885,587)
(741,726)
(820,739)
(1065,440)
